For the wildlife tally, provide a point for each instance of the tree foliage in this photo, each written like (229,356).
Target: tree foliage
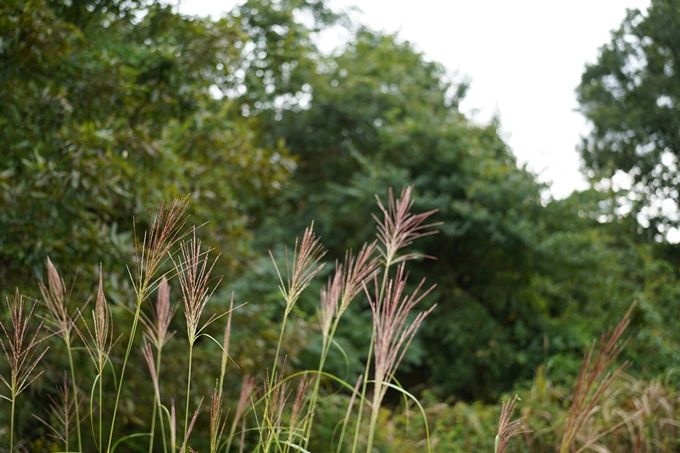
(630,96)
(108,108)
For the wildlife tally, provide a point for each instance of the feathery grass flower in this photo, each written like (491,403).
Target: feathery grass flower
(217,423)
(55,299)
(305,266)
(330,298)
(99,340)
(63,412)
(400,227)
(163,234)
(22,348)
(22,352)
(507,428)
(594,378)
(248,386)
(158,324)
(392,334)
(59,321)
(193,272)
(147,353)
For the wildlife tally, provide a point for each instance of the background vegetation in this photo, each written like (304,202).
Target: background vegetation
(109,107)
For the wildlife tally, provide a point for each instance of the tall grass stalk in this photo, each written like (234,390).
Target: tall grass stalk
(594,379)
(248,386)
(342,288)
(98,343)
(22,352)
(299,275)
(56,300)
(193,272)
(157,333)
(151,363)
(163,233)
(305,265)
(350,406)
(62,411)
(397,230)
(393,335)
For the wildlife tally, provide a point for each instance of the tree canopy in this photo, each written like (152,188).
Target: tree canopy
(108,108)
(631,98)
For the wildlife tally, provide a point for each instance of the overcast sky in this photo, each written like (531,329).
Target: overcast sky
(524,59)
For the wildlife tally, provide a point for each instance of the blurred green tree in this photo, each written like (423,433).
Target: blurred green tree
(107,109)
(630,96)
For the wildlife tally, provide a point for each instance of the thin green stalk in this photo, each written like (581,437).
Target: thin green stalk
(11,426)
(156,410)
(315,392)
(186,412)
(374,416)
(158,371)
(133,331)
(67,339)
(363,394)
(313,398)
(101,405)
(152,430)
(278,349)
(349,411)
(230,439)
(225,349)
(272,377)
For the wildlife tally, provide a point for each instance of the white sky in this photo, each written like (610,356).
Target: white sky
(524,59)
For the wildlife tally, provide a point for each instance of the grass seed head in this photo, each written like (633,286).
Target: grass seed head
(217,422)
(197,285)
(163,234)
(99,340)
(393,332)
(22,346)
(305,266)
(55,299)
(595,378)
(399,227)
(158,324)
(507,428)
